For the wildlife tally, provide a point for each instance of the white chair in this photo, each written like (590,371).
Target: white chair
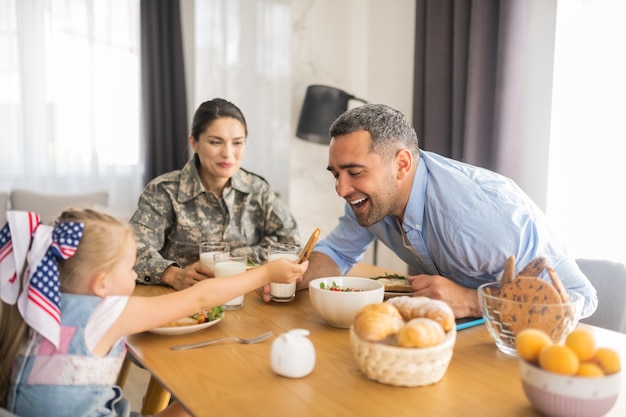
(49,206)
(609,280)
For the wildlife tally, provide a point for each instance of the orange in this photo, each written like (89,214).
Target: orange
(530,342)
(590,370)
(582,342)
(608,359)
(559,359)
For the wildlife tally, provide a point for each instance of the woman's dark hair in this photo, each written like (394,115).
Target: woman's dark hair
(211,110)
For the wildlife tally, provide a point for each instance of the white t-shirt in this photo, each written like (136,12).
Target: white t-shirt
(103,317)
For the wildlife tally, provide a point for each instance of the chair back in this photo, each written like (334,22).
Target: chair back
(49,206)
(4,206)
(609,280)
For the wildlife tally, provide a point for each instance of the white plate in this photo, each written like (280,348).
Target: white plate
(175,330)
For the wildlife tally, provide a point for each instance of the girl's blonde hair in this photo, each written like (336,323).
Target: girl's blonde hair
(104,241)
(100,250)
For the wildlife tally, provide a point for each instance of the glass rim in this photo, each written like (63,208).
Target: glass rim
(576,298)
(230,256)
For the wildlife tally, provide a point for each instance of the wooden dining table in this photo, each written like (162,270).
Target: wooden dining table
(233,379)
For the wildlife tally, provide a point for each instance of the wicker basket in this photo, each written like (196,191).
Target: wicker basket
(403,367)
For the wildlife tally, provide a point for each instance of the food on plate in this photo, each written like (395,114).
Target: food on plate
(185,321)
(385,323)
(252,265)
(529,292)
(394,283)
(414,307)
(577,356)
(420,332)
(215,313)
(335,287)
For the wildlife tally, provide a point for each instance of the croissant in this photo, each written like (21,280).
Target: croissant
(420,332)
(414,307)
(374,322)
(383,308)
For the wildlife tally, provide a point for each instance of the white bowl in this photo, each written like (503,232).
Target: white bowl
(556,395)
(338,307)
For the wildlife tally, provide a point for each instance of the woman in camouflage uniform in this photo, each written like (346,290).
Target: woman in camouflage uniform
(211,199)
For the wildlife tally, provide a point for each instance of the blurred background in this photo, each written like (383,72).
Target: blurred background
(73,99)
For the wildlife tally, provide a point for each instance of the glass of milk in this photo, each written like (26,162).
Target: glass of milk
(282,293)
(208,249)
(226,264)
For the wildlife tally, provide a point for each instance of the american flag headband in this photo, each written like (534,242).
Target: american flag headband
(25,240)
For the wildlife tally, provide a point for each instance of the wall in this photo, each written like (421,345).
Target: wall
(366,49)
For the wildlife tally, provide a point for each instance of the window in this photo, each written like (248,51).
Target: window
(586,192)
(70,97)
(243,54)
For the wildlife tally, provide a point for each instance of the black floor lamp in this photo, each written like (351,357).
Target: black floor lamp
(322,105)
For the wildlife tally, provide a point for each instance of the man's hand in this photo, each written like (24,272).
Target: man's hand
(464,301)
(264,292)
(181,278)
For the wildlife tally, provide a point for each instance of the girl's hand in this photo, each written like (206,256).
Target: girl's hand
(284,271)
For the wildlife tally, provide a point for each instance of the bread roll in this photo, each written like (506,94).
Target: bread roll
(420,332)
(414,307)
(374,322)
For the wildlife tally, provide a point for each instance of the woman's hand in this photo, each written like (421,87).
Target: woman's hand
(181,278)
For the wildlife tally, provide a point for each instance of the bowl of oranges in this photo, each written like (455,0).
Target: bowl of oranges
(575,378)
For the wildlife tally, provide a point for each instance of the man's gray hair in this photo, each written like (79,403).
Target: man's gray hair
(389,128)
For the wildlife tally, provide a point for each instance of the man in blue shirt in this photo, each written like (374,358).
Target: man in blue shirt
(454,223)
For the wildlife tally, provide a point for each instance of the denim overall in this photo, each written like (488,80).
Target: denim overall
(69,381)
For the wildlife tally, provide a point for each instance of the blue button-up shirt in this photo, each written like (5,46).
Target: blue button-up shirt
(461,222)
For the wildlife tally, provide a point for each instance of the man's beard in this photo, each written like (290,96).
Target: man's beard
(377,212)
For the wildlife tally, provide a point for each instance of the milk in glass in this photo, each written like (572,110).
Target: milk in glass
(226,266)
(282,292)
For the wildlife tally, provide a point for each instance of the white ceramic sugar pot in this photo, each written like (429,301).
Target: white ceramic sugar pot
(293,354)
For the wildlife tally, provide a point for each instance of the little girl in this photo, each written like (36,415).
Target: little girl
(74,374)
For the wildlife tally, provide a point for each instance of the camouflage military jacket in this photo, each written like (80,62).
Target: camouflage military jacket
(175,214)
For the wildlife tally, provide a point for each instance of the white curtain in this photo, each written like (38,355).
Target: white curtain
(587,180)
(242,54)
(69,94)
